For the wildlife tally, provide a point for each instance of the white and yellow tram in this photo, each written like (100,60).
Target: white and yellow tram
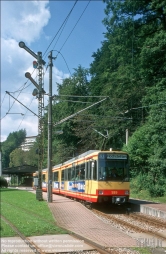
(94,177)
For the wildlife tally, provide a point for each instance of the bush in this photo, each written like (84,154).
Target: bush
(3,182)
(156,190)
(139,183)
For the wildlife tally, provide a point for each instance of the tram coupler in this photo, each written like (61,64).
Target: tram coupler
(128,210)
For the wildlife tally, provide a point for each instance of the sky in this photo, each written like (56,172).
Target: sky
(39,25)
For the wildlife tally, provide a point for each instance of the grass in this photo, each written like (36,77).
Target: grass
(143,250)
(30,216)
(6,230)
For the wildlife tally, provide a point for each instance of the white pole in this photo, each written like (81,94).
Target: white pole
(127,136)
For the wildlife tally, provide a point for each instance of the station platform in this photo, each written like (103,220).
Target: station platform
(76,218)
(149,208)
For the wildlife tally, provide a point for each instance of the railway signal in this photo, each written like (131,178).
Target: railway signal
(39,65)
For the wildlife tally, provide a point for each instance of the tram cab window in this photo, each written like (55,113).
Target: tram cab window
(62,175)
(107,167)
(55,176)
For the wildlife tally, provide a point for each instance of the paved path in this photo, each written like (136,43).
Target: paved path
(75,217)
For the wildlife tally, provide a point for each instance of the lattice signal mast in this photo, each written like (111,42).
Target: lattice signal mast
(39,92)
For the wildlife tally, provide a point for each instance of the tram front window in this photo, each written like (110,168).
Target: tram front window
(113,170)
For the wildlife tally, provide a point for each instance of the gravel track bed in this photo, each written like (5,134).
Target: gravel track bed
(110,250)
(132,223)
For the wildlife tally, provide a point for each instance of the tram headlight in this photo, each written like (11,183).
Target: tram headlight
(101,192)
(126,192)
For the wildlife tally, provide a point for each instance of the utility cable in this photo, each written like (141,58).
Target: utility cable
(81,96)
(61,27)
(10,107)
(74,26)
(24,115)
(77,101)
(63,59)
(3,99)
(20,90)
(59,52)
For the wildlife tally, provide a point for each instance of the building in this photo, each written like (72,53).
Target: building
(28,143)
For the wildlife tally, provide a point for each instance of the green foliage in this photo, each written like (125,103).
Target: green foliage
(20,157)
(13,141)
(69,102)
(147,154)
(3,182)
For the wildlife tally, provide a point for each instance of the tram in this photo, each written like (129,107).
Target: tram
(93,177)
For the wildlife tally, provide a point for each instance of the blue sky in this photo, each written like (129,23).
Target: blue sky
(36,23)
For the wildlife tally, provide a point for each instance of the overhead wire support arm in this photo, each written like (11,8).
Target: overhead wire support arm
(73,115)
(105,136)
(21,104)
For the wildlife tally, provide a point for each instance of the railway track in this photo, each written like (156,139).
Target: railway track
(150,219)
(135,223)
(31,245)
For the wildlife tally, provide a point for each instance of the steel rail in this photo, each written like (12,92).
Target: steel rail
(130,225)
(33,246)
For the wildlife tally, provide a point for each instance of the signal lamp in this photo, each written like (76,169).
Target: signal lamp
(35,92)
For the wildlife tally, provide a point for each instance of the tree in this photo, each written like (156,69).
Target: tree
(13,141)
(68,102)
(20,157)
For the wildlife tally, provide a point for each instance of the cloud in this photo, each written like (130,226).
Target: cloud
(24,19)
(30,124)
(20,20)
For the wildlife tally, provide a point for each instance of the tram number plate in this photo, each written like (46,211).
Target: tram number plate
(114,192)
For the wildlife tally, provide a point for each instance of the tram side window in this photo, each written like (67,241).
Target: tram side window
(94,169)
(77,172)
(66,174)
(88,171)
(63,175)
(69,174)
(55,176)
(80,172)
(73,173)
(43,177)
